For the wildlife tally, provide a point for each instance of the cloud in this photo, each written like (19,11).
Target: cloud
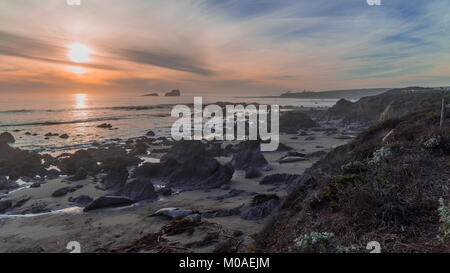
(167,60)
(211,45)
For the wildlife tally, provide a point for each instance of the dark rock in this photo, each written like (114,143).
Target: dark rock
(316,154)
(292,121)
(115,179)
(82,200)
(28,133)
(150,133)
(172,213)
(222,213)
(7,184)
(5,205)
(248,156)
(151,95)
(166,191)
(52,174)
(261,211)
(252,173)
(63,191)
(233,193)
(291,159)
(64,136)
(16,163)
(39,207)
(279,178)
(7,138)
(263,198)
(35,185)
(81,174)
(294,153)
(80,159)
(108,202)
(173,93)
(188,165)
(283,148)
(139,189)
(140,148)
(22,200)
(105,126)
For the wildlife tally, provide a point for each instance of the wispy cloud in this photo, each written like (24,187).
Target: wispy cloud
(229,45)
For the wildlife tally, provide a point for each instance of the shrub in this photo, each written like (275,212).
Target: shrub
(444,218)
(313,242)
(380,155)
(433,142)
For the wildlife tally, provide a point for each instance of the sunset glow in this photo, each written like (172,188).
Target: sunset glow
(79,53)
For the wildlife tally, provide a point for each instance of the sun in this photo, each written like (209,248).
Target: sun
(79,53)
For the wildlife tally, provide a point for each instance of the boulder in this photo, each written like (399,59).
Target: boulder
(252,173)
(248,156)
(290,159)
(316,154)
(172,213)
(139,189)
(105,126)
(222,213)
(188,165)
(81,174)
(108,202)
(7,184)
(166,191)
(262,211)
(293,121)
(5,205)
(173,93)
(279,178)
(82,200)
(16,163)
(64,136)
(115,179)
(63,191)
(150,133)
(7,138)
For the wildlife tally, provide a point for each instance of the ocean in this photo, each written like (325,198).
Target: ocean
(30,116)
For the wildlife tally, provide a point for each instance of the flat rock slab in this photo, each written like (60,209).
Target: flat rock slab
(173,213)
(108,202)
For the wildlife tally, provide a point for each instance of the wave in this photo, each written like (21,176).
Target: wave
(130,108)
(89,120)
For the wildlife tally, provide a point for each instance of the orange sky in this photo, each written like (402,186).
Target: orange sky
(224,46)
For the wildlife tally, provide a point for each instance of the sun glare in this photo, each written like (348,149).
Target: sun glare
(79,53)
(76,69)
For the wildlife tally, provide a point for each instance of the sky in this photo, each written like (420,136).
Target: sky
(222,46)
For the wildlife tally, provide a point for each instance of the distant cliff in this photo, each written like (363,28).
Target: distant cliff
(334,94)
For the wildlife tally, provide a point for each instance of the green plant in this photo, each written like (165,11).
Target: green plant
(313,242)
(380,155)
(444,219)
(433,142)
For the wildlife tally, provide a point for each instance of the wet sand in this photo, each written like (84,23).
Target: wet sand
(118,227)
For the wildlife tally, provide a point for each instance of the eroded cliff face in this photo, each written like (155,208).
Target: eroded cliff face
(390,185)
(391,104)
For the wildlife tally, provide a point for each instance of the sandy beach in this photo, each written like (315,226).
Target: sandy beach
(114,228)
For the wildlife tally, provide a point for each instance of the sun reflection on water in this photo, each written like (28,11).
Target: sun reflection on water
(80,101)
